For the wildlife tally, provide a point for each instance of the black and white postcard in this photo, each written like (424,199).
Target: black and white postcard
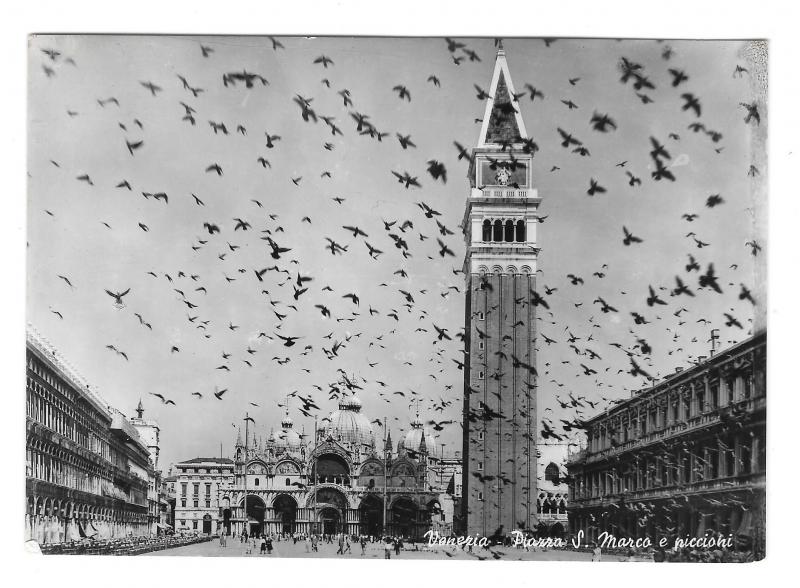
(446,298)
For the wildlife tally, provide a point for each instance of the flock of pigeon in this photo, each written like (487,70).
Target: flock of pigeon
(272,286)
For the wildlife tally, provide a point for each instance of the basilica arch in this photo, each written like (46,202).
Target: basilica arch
(404,517)
(330,507)
(404,474)
(371,515)
(285,509)
(330,468)
(255,509)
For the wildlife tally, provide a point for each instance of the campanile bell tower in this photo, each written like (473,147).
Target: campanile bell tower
(500,223)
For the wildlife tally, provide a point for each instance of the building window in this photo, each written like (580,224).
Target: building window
(183,489)
(521,231)
(481,316)
(208,503)
(747,387)
(257,481)
(498,231)
(487,231)
(480,345)
(480,375)
(288,482)
(480,495)
(480,435)
(183,503)
(480,465)
(509,231)
(208,489)
(551,473)
(196,503)
(194,525)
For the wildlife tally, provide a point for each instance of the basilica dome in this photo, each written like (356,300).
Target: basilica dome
(348,426)
(288,437)
(414,436)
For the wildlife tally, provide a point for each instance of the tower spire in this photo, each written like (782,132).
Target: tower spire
(502,118)
(139,409)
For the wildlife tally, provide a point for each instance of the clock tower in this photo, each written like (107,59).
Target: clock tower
(500,222)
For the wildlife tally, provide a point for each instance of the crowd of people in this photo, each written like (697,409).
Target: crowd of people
(264,543)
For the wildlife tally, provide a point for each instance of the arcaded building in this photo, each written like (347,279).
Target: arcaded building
(681,458)
(87,471)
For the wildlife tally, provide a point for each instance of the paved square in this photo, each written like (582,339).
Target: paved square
(373,551)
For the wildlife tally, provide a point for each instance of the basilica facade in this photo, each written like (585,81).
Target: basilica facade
(343,479)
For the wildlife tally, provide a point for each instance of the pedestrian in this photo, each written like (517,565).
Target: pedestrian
(268,541)
(341,544)
(388,548)
(314,543)
(596,552)
(398,544)
(347,544)
(363,545)
(263,544)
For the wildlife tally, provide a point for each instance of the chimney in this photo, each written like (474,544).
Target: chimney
(701,358)
(714,339)
(678,370)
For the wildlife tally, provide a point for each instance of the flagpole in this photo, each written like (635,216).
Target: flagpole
(385,470)
(246,435)
(314,522)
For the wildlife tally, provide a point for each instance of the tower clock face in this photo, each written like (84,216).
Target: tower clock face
(502,176)
(494,173)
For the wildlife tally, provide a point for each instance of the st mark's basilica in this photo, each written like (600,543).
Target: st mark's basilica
(344,480)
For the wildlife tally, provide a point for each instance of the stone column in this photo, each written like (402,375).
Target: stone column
(754,450)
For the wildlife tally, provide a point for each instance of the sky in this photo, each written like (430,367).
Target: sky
(91,235)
